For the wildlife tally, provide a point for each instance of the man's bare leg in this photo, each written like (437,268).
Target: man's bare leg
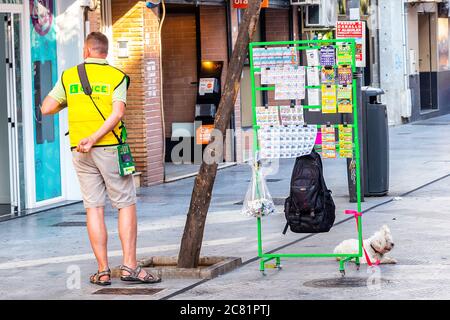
(98,237)
(128,237)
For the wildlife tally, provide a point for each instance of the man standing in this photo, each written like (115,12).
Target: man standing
(95,129)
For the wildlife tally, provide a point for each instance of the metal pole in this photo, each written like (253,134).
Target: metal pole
(351,163)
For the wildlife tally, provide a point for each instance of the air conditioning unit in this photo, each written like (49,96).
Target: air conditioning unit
(304,2)
(322,15)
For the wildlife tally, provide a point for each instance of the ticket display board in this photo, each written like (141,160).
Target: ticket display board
(313,75)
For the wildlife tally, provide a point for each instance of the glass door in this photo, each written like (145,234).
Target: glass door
(10,88)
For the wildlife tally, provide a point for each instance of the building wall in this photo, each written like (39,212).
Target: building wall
(138,25)
(214,36)
(391,54)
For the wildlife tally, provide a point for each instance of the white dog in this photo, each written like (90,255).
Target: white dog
(377,246)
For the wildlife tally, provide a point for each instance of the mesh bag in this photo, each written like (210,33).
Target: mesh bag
(258,201)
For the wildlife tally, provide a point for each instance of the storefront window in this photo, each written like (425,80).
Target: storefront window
(44,75)
(443,44)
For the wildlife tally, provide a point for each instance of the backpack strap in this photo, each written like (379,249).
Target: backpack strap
(322,179)
(285,228)
(87,89)
(82,74)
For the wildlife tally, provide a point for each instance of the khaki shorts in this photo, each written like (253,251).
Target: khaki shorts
(98,174)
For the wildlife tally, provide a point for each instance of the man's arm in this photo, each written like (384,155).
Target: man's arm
(55,101)
(51,106)
(110,123)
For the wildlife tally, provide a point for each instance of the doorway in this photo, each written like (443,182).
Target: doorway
(180,51)
(428,61)
(10,115)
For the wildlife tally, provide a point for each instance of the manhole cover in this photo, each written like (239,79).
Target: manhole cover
(129,291)
(342,282)
(70,224)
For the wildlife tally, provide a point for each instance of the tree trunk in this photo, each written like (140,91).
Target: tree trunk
(191,243)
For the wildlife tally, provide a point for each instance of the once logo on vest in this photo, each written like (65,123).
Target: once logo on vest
(97,88)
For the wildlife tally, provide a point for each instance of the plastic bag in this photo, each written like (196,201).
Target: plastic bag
(258,201)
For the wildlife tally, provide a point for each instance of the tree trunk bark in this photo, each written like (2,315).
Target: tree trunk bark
(191,243)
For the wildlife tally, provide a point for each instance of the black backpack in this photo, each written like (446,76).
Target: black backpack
(310,207)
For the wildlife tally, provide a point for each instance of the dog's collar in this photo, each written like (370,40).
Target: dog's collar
(375,249)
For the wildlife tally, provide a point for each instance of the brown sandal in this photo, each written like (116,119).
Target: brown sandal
(134,275)
(95,278)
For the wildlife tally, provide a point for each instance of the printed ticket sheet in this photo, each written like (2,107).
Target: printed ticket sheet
(344,54)
(345,101)
(345,141)
(291,115)
(312,57)
(313,97)
(328,75)
(267,116)
(313,75)
(327,56)
(329,150)
(345,75)
(328,98)
(274,56)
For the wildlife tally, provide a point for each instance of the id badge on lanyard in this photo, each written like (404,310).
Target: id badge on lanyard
(126,162)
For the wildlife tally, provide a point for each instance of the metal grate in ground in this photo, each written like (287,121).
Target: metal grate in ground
(342,282)
(70,224)
(129,291)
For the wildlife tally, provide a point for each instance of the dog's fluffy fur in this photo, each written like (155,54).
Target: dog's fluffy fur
(377,246)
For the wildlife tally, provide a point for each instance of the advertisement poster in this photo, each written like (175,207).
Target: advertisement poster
(207,85)
(44,75)
(354,30)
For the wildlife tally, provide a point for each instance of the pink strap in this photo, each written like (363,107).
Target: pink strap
(357,214)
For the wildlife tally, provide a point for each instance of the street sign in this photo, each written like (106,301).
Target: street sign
(203,134)
(242,4)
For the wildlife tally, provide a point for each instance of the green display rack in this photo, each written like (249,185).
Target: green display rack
(266,258)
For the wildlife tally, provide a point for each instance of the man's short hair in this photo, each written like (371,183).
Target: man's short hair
(98,42)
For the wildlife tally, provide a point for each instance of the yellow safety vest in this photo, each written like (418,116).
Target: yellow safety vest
(84,118)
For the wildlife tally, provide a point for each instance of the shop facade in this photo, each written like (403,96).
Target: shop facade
(42,38)
(428,44)
(165,53)
(38,40)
